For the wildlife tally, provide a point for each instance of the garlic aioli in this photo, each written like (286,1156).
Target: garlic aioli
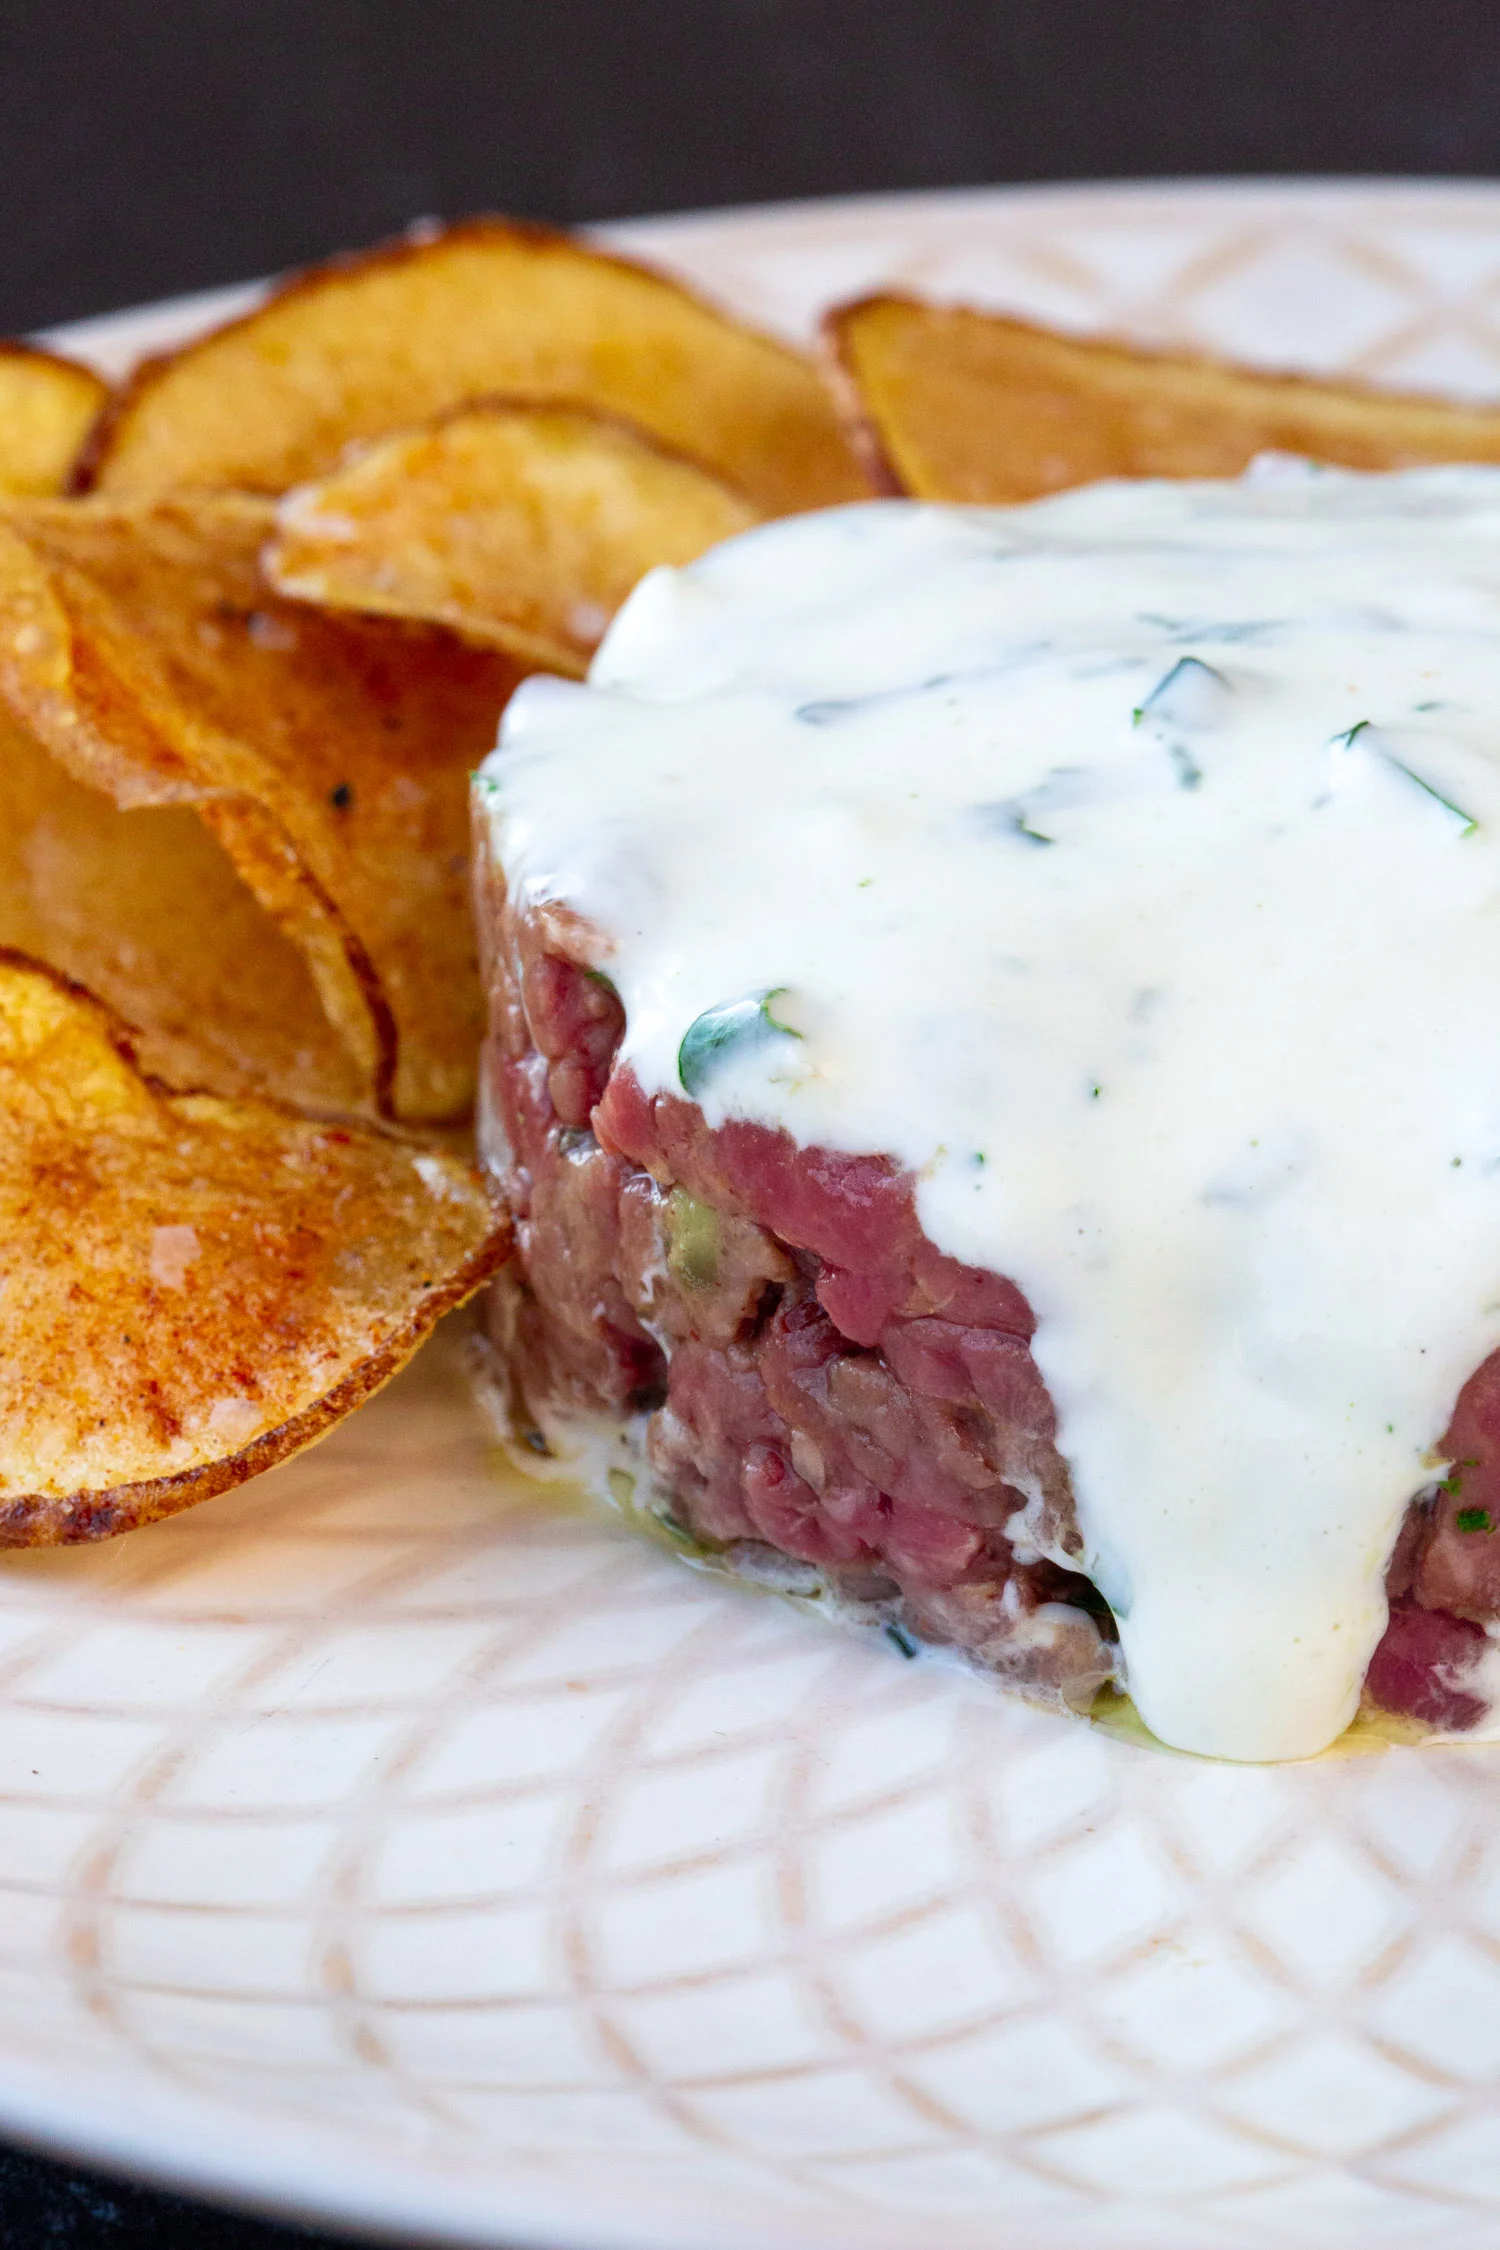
(1128,866)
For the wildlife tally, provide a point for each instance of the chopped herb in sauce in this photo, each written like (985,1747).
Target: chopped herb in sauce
(830,710)
(1244,629)
(1011,816)
(1063,788)
(1187,696)
(1224,632)
(1467,824)
(899,1637)
(1031,835)
(1473,1519)
(738,1023)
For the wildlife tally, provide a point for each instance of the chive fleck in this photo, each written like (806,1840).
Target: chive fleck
(1179,695)
(1474,1519)
(736,1023)
(1189,773)
(898,1637)
(692,1233)
(1468,825)
(676,1529)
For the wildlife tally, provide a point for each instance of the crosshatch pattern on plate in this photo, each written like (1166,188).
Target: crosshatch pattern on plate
(391,1797)
(1397,284)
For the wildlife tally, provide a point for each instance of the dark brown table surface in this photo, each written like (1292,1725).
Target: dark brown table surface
(152,146)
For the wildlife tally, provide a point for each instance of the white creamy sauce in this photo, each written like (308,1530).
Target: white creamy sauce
(1129,865)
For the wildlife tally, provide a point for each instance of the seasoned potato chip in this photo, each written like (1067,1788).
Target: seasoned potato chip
(520,526)
(146,909)
(329,756)
(374,343)
(47,407)
(192,1288)
(951,404)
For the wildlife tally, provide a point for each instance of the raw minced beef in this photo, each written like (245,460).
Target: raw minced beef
(816,1381)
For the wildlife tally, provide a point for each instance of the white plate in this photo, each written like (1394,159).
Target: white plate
(385,1842)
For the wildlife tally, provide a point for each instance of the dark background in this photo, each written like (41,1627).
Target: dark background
(149,146)
(152,146)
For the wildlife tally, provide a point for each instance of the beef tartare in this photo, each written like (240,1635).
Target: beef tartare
(950,1148)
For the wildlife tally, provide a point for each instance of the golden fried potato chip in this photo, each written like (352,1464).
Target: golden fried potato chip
(520,526)
(192,1288)
(329,756)
(48,405)
(951,404)
(377,342)
(145,908)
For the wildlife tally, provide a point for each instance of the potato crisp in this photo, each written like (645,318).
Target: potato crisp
(190,1288)
(521,527)
(951,404)
(47,406)
(374,343)
(328,756)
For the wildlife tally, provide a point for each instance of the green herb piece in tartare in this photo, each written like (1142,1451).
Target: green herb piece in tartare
(692,1231)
